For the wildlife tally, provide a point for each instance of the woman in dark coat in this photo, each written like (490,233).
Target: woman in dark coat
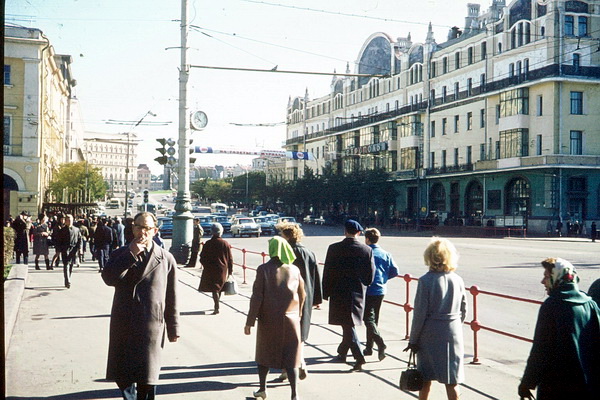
(564,362)
(217,260)
(21,225)
(40,241)
(277,299)
(306,261)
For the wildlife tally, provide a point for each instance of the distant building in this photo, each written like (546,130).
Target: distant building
(143,178)
(115,155)
(498,124)
(39,130)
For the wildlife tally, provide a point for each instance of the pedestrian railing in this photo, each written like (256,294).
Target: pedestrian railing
(475,324)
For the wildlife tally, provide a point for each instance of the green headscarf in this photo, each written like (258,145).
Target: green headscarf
(279,247)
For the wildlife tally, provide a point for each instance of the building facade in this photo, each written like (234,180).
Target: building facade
(116,156)
(38,102)
(497,125)
(144,176)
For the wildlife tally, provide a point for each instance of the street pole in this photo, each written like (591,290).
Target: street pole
(182,220)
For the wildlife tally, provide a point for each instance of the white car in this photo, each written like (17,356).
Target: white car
(245,226)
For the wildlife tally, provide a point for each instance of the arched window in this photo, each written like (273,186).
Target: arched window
(518,195)
(474,199)
(437,198)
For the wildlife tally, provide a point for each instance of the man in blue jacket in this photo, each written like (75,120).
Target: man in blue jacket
(385,268)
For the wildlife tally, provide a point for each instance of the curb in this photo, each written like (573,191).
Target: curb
(14,286)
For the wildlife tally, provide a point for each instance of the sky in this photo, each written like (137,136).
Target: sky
(126,59)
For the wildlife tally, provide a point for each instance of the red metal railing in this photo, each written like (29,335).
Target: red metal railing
(475,324)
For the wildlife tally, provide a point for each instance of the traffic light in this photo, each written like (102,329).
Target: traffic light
(171,151)
(145,195)
(192,159)
(162,160)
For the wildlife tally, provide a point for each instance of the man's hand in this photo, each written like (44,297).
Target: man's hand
(524,392)
(173,339)
(136,247)
(247,329)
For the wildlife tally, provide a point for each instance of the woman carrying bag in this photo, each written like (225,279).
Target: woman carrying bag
(440,310)
(217,261)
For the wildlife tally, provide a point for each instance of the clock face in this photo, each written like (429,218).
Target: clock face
(198,120)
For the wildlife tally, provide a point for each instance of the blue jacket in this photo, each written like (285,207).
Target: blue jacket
(385,268)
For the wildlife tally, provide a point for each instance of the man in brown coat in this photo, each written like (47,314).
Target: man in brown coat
(217,261)
(144,307)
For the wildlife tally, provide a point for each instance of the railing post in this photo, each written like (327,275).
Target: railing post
(407,307)
(475,327)
(264,256)
(244,264)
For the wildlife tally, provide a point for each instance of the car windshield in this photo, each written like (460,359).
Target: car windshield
(261,219)
(245,221)
(288,219)
(204,219)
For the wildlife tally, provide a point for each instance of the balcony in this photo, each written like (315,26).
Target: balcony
(449,169)
(539,161)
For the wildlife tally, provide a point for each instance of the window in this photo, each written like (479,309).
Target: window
(497,114)
(444,94)
(469,121)
(582,26)
(576,143)
(469,86)
(408,158)
(432,160)
(443,158)
(444,65)
(514,143)
(527,33)
(482,118)
(456,90)
(577,103)
(433,69)
(576,61)
(432,100)
(517,197)
(538,145)
(569,22)
(483,50)
(526,68)
(482,81)
(470,56)
(482,151)
(540,106)
(511,70)
(456,157)
(469,154)
(497,149)
(457,60)
(456,123)
(437,198)
(7,129)
(432,128)
(514,102)
(7,74)
(444,125)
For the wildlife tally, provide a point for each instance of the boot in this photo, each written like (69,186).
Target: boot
(25,260)
(48,267)
(18,259)
(37,265)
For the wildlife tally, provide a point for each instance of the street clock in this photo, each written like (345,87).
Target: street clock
(198,120)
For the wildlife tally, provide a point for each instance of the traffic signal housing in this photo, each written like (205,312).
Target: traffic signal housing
(162,160)
(145,195)
(192,159)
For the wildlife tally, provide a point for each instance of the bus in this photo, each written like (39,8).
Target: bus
(218,208)
(114,203)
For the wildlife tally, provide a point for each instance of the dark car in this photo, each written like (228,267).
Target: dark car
(205,223)
(222,219)
(165,227)
(267,225)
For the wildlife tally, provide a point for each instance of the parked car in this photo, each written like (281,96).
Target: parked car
(267,225)
(206,223)
(288,219)
(245,226)
(165,227)
(222,219)
(312,219)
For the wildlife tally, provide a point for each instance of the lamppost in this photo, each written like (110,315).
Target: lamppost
(127,162)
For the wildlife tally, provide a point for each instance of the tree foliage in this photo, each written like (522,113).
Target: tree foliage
(69,183)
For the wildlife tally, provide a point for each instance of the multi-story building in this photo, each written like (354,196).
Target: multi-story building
(144,176)
(498,123)
(38,103)
(273,167)
(115,155)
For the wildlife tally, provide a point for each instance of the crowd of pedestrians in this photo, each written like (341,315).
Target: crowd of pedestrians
(565,355)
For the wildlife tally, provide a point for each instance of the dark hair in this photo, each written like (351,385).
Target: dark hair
(372,234)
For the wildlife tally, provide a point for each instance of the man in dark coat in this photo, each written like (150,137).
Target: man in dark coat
(103,239)
(21,225)
(349,269)
(217,261)
(198,233)
(144,309)
(67,242)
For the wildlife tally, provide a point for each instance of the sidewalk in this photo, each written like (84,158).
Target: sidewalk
(59,345)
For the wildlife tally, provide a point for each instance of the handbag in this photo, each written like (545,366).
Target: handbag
(230,287)
(411,379)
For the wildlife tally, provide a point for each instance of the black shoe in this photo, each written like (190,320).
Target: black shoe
(368,351)
(50,268)
(37,267)
(340,358)
(68,286)
(215,312)
(381,353)
(358,365)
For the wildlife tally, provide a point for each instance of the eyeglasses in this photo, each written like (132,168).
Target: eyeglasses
(143,227)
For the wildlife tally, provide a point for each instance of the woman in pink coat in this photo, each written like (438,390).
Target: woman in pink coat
(277,299)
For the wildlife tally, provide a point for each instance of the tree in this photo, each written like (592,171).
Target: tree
(69,183)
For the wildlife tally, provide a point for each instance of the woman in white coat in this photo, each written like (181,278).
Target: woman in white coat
(440,310)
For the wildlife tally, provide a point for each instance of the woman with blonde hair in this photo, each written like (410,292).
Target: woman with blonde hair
(440,310)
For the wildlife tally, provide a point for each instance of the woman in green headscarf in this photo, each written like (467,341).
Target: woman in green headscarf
(277,298)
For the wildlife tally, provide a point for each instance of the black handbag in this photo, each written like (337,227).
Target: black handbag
(411,379)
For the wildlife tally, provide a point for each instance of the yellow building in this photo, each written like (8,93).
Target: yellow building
(496,125)
(37,93)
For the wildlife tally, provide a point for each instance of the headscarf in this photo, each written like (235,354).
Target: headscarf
(216,229)
(279,247)
(563,272)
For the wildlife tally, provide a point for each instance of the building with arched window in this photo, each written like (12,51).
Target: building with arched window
(498,121)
